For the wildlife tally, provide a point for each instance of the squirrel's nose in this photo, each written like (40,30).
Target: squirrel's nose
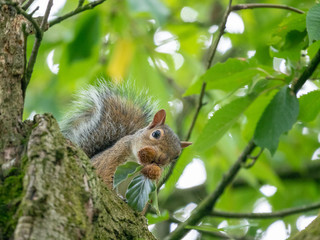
(162,160)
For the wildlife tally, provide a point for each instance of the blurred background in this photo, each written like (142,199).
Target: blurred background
(162,45)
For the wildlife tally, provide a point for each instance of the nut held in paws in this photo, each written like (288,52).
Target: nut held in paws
(151,171)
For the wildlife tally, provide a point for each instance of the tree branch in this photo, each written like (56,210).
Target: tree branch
(222,27)
(78,10)
(277,214)
(27,5)
(200,104)
(36,46)
(263,5)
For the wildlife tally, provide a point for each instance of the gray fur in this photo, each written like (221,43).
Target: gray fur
(105,113)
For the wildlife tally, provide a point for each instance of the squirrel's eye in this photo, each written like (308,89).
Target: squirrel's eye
(156,134)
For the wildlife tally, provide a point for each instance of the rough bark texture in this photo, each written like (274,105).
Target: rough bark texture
(60,196)
(11,73)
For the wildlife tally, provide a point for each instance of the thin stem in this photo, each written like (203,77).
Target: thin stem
(34,10)
(254,159)
(78,10)
(27,5)
(80,3)
(36,46)
(214,46)
(200,104)
(263,5)
(277,214)
(46,15)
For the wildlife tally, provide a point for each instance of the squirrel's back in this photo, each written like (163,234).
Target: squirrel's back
(105,113)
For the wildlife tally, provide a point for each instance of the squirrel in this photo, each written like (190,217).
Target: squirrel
(113,124)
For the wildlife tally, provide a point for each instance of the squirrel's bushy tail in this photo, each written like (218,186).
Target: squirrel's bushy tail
(105,113)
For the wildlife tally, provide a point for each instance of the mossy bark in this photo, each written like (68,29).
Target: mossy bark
(62,197)
(55,194)
(48,187)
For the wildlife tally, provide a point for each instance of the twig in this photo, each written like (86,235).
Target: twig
(214,46)
(79,9)
(36,46)
(25,36)
(277,214)
(254,159)
(27,5)
(263,5)
(200,104)
(46,15)
(36,9)
(80,3)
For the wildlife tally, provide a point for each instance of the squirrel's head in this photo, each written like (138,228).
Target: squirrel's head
(157,143)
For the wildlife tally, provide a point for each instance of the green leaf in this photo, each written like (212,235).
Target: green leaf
(227,76)
(154,201)
(221,121)
(313,23)
(138,192)
(309,106)
(153,219)
(124,171)
(292,46)
(294,22)
(254,112)
(85,39)
(278,117)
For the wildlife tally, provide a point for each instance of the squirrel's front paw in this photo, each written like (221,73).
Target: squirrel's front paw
(146,155)
(151,171)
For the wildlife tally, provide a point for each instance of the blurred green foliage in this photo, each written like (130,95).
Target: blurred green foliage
(163,46)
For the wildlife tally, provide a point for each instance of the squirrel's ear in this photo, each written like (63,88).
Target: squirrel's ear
(185,144)
(158,119)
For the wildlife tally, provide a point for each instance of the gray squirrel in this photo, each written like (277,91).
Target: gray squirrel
(114,124)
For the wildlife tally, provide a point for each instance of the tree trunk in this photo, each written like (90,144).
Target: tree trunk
(49,189)
(12,63)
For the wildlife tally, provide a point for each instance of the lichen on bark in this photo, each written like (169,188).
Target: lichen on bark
(62,198)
